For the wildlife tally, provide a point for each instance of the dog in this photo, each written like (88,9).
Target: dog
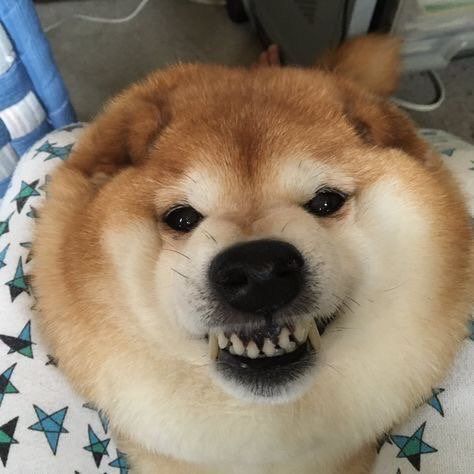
(255,270)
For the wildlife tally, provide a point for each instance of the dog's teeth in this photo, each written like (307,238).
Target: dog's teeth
(268,348)
(279,352)
(291,346)
(237,344)
(231,350)
(284,338)
(252,350)
(213,346)
(222,340)
(301,332)
(314,336)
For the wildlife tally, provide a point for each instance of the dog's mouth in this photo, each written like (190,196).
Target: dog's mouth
(267,359)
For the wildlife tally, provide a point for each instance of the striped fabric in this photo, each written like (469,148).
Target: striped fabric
(33,98)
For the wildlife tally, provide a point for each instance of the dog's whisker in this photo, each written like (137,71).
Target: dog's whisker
(334,368)
(178,252)
(392,288)
(353,300)
(209,236)
(179,273)
(284,227)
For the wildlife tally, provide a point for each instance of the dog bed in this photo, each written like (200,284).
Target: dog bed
(47,428)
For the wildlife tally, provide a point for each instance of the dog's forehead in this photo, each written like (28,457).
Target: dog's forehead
(255,140)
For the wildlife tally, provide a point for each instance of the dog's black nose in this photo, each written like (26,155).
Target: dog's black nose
(258,277)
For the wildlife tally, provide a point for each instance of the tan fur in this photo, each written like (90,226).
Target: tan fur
(249,148)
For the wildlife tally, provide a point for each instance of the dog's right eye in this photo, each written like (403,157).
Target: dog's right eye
(183,218)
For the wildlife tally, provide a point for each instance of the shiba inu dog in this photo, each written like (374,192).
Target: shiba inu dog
(255,271)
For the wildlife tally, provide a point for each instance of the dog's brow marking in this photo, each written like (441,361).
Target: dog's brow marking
(178,252)
(209,236)
(179,273)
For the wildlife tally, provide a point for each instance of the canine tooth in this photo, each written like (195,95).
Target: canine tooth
(268,347)
(222,340)
(252,350)
(213,346)
(314,336)
(284,338)
(291,346)
(301,332)
(237,344)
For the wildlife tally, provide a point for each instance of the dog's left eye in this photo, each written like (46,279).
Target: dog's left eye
(183,218)
(326,202)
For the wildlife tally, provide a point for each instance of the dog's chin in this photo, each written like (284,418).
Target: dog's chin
(274,363)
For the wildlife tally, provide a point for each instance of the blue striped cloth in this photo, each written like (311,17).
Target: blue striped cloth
(33,97)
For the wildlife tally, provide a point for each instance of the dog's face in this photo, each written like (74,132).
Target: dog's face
(279,237)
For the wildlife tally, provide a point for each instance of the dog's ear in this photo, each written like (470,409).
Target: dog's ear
(367,70)
(124,133)
(372,62)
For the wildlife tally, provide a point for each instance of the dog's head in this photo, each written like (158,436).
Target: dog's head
(281,234)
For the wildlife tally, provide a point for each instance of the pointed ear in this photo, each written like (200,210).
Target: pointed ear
(125,132)
(372,62)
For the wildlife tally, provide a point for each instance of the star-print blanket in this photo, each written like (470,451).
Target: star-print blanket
(46,428)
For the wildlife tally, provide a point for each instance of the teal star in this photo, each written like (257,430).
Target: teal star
(21,344)
(6,387)
(53,151)
(3,254)
(19,283)
(434,400)
(98,447)
(412,447)
(27,245)
(120,462)
(6,439)
(70,128)
(50,425)
(26,191)
(44,187)
(103,418)
(33,213)
(51,360)
(4,225)
(448,151)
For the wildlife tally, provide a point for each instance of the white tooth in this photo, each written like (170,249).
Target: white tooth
(237,344)
(301,332)
(222,340)
(314,336)
(268,348)
(231,350)
(252,350)
(284,338)
(279,352)
(291,346)
(213,346)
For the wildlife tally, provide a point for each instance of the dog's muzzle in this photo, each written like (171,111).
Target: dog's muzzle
(254,282)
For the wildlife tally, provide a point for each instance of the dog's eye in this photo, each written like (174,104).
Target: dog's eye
(183,219)
(326,202)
